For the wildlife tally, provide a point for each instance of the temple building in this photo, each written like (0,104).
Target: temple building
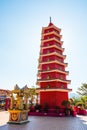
(51,77)
(4,99)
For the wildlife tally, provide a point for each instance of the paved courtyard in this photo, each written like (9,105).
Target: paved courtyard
(45,123)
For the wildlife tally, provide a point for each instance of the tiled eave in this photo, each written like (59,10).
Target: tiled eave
(53,53)
(52,89)
(54,70)
(55,61)
(52,80)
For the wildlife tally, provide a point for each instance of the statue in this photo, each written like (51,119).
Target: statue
(19,105)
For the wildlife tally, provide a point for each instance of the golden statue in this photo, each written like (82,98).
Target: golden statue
(19,105)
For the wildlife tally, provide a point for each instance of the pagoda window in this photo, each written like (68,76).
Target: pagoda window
(48,37)
(48,60)
(61,77)
(48,31)
(62,86)
(48,86)
(48,68)
(48,51)
(60,68)
(48,77)
(48,44)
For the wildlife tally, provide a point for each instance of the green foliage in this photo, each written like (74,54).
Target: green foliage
(80,101)
(57,108)
(83,90)
(32,95)
(74,101)
(66,103)
(38,106)
(46,107)
(32,92)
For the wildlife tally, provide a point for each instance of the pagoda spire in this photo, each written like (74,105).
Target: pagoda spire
(50,19)
(50,23)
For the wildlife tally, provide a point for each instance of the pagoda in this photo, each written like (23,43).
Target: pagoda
(51,77)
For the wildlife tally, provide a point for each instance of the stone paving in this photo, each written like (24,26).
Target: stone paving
(45,123)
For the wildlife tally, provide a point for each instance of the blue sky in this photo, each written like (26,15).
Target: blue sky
(21,22)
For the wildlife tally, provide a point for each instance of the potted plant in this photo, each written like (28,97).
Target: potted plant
(66,105)
(57,108)
(45,108)
(37,107)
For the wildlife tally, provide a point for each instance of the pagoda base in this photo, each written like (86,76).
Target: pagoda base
(53,98)
(18,116)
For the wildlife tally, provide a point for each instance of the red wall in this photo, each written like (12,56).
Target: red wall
(45,51)
(51,43)
(50,30)
(53,99)
(53,75)
(53,84)
(52,66)
(51,58)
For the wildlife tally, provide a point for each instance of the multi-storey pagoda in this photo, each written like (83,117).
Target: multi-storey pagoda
(52,80)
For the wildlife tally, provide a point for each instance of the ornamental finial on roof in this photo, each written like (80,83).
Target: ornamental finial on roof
(50,19)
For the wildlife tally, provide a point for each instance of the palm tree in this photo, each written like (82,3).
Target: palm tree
(83,90)
(80,101)
(83,102)
(74,101)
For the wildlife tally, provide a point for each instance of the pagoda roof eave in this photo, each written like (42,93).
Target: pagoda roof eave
(51,39)
(51,46)
(51,80)
(52,26)
(64,64)
(53,70)
(53,53)
(53,89)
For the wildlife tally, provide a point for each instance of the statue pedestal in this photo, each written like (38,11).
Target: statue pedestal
(18,116)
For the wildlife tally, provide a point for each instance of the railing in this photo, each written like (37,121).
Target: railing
(54,79)
(53,61)
(51,53)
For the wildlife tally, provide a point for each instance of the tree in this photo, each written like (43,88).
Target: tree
(83,102)
(32,94)
(79,101)
(83,90)
(66,104)
(74,100)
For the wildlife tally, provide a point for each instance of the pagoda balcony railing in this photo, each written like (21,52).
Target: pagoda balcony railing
(50,33)
(51,46)
(51,39)
(48,44)
(57,51)
(54,61)
(52,53)
(53,70)
(54,79)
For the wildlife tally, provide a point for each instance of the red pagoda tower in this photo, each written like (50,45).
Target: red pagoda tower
(51,79)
